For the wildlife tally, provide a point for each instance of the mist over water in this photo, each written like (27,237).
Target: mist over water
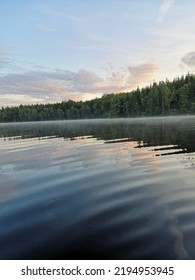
(98,189)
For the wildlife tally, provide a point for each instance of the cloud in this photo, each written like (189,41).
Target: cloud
(74,18)
(46,86)
(7,99)
(45,27)
(188,60)
(4,59)
(142,73)
(172,33)
(164,9)
(3,51)
(157,43)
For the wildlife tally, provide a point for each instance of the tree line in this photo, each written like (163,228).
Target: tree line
(163,98)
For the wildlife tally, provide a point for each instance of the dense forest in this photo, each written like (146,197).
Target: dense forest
(163,98)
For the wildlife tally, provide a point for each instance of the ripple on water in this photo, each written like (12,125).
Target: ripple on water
(98,199)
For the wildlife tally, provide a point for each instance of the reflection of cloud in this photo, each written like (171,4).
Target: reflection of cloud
(188,60)
(8,189)
(45,86)
(164,9)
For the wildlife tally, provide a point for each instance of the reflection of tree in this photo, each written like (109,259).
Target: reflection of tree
(178,132)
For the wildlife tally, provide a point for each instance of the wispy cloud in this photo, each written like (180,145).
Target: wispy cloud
(5,60)
(104,48)
(7,99)
(45,27)
(3,51)
(173,33)
(74,18)
(142,73)
(188,61)
(164,9)
(45,86)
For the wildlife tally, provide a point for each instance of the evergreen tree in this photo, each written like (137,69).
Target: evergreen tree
(163,98)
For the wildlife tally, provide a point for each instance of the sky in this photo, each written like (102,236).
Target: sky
(55,50)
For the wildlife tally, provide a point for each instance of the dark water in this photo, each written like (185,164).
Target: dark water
(107,189)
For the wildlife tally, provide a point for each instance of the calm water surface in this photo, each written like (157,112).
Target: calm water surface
(98,189)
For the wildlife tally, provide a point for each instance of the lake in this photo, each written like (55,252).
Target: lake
(98,189)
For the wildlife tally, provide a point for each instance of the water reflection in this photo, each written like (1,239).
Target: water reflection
(173,134)
(99,189)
